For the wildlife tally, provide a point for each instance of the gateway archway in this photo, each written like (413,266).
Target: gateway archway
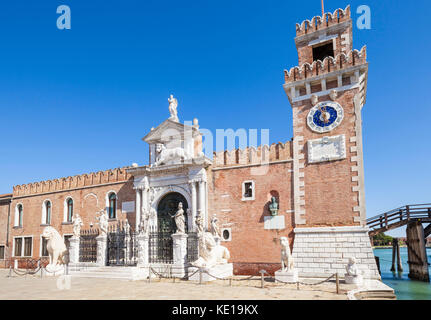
(167,208)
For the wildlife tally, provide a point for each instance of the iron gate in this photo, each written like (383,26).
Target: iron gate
(122,246)
(88,245)
(160,247)
(192,247)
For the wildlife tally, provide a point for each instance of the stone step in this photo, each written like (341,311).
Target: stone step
(104,275)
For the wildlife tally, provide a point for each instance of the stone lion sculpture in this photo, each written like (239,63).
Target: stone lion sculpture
(353,275)
(165,155)
(56,248)
(287,263)
(210,254)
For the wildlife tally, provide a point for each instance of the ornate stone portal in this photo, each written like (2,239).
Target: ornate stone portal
(171,191)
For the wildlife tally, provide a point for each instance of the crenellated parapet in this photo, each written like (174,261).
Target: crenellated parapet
(73,182)
(318,22)
(328,65)
(251,156)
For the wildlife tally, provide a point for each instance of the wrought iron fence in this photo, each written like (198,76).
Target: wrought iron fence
(192,247)
(160,247)
(122,245)
(88,245)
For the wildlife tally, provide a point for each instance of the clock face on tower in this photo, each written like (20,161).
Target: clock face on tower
(325,116)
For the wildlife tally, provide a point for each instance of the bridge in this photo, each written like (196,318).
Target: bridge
(414,217)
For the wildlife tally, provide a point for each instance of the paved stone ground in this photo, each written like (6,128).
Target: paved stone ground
(34,287)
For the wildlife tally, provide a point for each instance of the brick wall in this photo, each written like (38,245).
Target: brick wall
(251,244)
(86,202)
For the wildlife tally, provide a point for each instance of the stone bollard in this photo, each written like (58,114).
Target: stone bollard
(74,249)
(102,253)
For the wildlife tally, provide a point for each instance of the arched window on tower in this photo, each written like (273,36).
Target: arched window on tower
(69,210)
(112,208)
(18,215)
(47,212)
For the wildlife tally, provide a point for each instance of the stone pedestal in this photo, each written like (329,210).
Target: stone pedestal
(287,276)
(143,250)
(358,280)
(54,270)
(74,250)
(102,253)
(219,271)
(322,251)
(180,254)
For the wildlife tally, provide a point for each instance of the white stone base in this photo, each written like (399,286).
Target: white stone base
(51,270)
(320,252)
(140,273)
(358,280)
(219,271)
(286,276)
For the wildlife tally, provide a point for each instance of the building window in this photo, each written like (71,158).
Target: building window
(112,208)
(18,215)
(44,251)
(69,210)
(323,51)
(23,247)
(226,234)
(248,190)
(2,252)
(47,212)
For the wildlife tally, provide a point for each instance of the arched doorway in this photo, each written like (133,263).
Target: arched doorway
(167,208)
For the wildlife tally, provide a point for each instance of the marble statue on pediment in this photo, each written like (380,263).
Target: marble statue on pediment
(173,104)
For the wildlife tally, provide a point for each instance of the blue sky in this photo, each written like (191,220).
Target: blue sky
(80,100)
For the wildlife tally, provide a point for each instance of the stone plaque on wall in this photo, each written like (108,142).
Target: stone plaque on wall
(273,222)
(128,206)
(327,149)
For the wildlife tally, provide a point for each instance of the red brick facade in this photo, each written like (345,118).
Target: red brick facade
(309,194)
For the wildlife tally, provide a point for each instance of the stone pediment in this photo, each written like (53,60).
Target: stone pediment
(170,130)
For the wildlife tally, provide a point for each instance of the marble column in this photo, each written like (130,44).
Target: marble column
(202,202)
(102,253)
(138,208)
(143,257)
(194,205)
(74,250)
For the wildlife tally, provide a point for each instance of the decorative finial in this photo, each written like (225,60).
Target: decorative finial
(173,104)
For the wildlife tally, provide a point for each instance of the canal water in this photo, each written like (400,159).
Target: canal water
(405,289)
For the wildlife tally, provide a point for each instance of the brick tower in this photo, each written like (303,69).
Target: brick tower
(327,92)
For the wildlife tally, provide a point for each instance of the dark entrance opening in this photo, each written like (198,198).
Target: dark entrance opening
(160,242)
(167,208)
(323,51)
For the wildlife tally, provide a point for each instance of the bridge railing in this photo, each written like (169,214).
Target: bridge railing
(399,215)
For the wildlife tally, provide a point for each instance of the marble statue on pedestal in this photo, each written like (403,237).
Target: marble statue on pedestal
(215,230)
(56,249)
(103,221)
(180,221)
(199,224)
(353,275)
(287,273)
(77,224)
(287,263)
(210,254)
(173,104)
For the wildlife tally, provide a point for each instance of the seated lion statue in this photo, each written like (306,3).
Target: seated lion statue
(210,254)
(55,246)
